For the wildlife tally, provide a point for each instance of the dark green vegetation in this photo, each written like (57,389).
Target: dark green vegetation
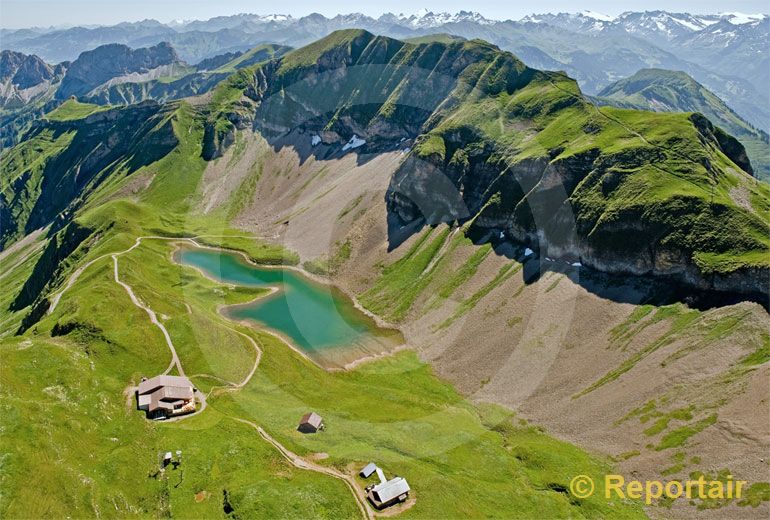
(48,175)
(98,179)
(669,91)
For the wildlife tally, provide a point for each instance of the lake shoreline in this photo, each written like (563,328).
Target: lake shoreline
(388,331)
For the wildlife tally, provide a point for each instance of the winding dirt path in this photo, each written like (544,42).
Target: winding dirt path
(299,462)
(153,318)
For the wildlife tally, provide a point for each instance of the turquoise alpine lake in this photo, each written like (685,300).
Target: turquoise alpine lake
(318,319)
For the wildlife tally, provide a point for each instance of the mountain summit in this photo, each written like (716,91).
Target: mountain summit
(116,62)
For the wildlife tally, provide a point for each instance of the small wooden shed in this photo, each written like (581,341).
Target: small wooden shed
(310,423)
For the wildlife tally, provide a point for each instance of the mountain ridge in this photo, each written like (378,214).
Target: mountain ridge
(598,175)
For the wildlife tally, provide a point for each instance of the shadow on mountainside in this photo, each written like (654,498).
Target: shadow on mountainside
(619,288)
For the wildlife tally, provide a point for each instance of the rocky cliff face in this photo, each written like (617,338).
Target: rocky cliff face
(105,63)
(25,78)
(22,70)
(547,204)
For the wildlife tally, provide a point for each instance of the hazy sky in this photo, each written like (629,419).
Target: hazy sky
(27,13)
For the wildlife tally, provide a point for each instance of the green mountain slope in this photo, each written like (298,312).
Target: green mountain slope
(670,91)
(65,374)
(526,153)
(67,157)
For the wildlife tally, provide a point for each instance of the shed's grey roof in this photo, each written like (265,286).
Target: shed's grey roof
(368,470)
(312,419)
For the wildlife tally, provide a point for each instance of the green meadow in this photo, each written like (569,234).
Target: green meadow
(73,428)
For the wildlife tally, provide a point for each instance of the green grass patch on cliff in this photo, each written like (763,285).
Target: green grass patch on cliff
(72,109)
(400,283)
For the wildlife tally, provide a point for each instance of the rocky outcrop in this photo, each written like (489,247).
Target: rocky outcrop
(729,145)
(536,203)
(105,63)
(25,79)
(23,71)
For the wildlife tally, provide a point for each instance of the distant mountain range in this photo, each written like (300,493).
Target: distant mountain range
(110,74)
(725,52)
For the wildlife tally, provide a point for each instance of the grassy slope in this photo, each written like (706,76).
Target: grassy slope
(73,109)
(253,56)
(669,91)
(63,164)
(29,158)
(677,181)
(74,430)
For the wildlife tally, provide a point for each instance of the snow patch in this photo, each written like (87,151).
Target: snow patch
(315,140)
(687,23)
(354,142)
(598,16)
(528,252)
(428,19)
(576,264)
(742,18)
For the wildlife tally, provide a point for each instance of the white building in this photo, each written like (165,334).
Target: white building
(387,492)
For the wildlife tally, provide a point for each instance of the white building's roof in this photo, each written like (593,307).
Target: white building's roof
(391,489)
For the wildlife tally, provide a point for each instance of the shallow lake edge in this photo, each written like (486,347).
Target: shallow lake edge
(390,330)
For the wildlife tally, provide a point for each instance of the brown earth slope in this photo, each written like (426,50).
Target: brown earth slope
(667,390)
